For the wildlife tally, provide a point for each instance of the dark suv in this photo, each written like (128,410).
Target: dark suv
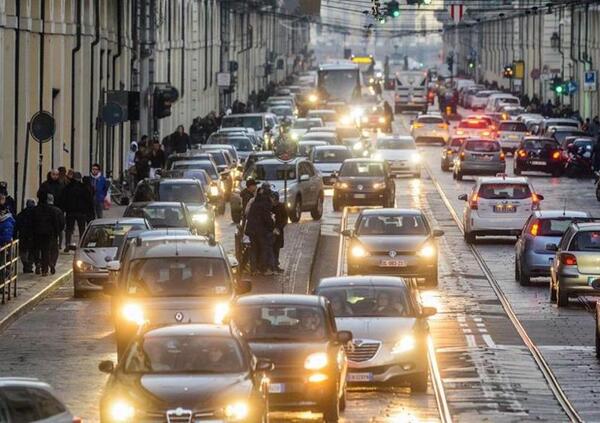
(363,182)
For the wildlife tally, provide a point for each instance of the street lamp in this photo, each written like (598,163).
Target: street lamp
(555,40)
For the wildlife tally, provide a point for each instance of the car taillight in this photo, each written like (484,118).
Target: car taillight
(442,125)
(449,151)
(522,153)
(486,133)
(460,132)
(473,203)
(462,155)
(417,125)
(535,202)
(502,155)
(568,259)
(556,155)
(535,228)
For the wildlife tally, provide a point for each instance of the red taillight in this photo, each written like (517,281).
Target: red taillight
(522,153)
(77,420)
(568,259)
(459,132)
(556,155)
(443,125)
(417,125)
(502,155)
(486,133)
(535,228)
(473,203)
(535,202)
(462,155)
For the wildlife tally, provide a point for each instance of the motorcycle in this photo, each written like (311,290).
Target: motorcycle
(579,161)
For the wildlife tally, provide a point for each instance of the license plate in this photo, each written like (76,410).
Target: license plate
(392,263)
(538,163)
(505,209)
(360,195)
(276,388)
(359,377)
(485,158)
(513,137)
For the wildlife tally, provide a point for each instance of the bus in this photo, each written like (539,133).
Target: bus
(338,82)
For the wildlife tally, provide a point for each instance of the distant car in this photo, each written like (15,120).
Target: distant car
(162,214)
(210,148)
(575,265)
(559,133)
(184,372)
(401,154)
(327,137)
(539,154)
(549,122)
(242,145)
(498,206)
(256,156)
(328,159)
(364,182)
(223,176)
(430,128)
(328,116)
(262,123)
(479,100)
(510,134)
(389,329)
(305,147)
(479,157)
(449,152)
(29,400)
(282,112)
(532,258)
(298,334)
(99,245)
(398,242)
(302,125)
(473,128)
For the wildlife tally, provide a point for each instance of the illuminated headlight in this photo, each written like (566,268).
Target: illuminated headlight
(407,343)
(341,185)
(121,411)
(221,311)
(83,266)
(359,251)
(237,411)
(357,146)
(214,191)
(346,120)
(133,313)
(378,156)
(295,136)
(378,185)
(378,75)
(313,98)
(316,361)
(427,251)
(371,80)
(381,119)
(357,112)
(200,218)
(415,158)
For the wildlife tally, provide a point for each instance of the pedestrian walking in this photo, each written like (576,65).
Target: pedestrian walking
(9,203)
(281,220)
(46,227)
(157,158)
(78,205)
(56,242)
(7,226)
(27,250)
(248,193)
(100,186)
(180,142)
(52,185)
(259,227)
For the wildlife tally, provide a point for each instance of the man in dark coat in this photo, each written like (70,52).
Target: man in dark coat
(179,141)
(53,186)
(27,248)
(157,158)
(281,220)
(9,202)
(56,243)
(78,205)
(248,193)
(46,227)
(259,227)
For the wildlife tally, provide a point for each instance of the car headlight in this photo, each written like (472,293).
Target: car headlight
(133,313)
(407,343)
(378,185)
(346,120)
(416,158)
(378,156)
(316,361)
(84,266)
(214,191)
(237,411)
(359,251)
(357,112)
(427,251)
(200,218)
(221,311)
(358,146)
(313,98)
(381,119)
(121,411)
(341,185)
(295,136)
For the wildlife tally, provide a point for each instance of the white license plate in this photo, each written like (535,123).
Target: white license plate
(392,263)
(360,195)
(505,209)
(276,388)
(513,137)
(538,163)
(359,377)
(485,158)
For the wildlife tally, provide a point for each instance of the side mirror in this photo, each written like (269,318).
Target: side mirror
(551,247)
(263,365)
(428,312)
(437,233)
(595,284)
(106,366)
(304,178)
(109,288)
(243,287)
(539,196)
(113,266)
(348,233)
(463,197)
(125,201)
(344,336)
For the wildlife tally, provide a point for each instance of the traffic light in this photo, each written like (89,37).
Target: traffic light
(471,63)
(164,97)
(508,71)
(559,86)
(393,9)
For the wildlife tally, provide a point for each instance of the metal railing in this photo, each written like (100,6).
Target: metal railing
(9,260)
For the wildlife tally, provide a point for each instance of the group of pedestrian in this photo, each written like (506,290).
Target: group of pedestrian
(201,128)
(265,218)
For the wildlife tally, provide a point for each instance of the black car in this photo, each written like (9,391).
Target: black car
(363,182)
(450,151)
(298,334)
(539,154)
(188,372)
(162,214)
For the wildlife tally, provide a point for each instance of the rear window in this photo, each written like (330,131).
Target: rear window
(473,124)
(457,142)
(504,191)
(554,226)
(331,156)
(509,100)
(430,119)
(586,241)
(540,145)
(483,95)
(512,126)
(396,144)
(482,146)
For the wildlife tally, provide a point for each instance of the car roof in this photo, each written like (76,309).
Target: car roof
(330,147)
(314,111)
(176,246)
(430,115)
(118,220)
(161,233)
(362,280)
(395,137)
(503,180)
(157,204)
(181,181)
(363,160)
(24,381)
(587,226)
(391,211)
(192,329)
(287,299)
(559,213)
(274,160)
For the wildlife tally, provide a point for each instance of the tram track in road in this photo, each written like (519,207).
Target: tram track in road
(434,371)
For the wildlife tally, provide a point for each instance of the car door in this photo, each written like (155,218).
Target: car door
(307,188)
(316,181)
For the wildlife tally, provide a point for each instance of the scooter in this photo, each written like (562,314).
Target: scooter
(579,163)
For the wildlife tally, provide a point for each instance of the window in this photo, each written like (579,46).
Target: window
(430,120)
(586,241)
(26,404)
(330,156)
(363,169)
(392,225)
(305,169)
(369,301)
(482,146)
(186,193)
(107,236)
(555,226)
(504,191)
(512,127)
(271,172)
(540,145)
(160,216)
(396,144)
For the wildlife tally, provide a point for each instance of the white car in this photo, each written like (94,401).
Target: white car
(401,154)
(328,116)
(510,134)
(479,100)
(498,206)
(473,128)
(303,125)
(328,159)
(429,128)
(495,100)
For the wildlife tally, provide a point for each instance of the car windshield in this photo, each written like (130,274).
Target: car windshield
(430,120)
(206,165)
(160,216)
(184,354)
(218,157)
(368,301)
(396,144)
(504,191)
(200,175)
(473,124)
(555,226)
(325,116)
(305,124)
(540,145)
(348,132)
(240,144)
(392,225)
(271,172)
(561,135)
(304,148)
(178,276)
(281,322)
(512,127)
(282,111)
(480,146)
(186,193)
(331,156)
(108,236)
(254,122)
(362,169)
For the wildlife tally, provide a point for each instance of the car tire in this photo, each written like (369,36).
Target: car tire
(562,298)
(517,170)
(445,166)
(552,292)
(522,277)
(470,238)
(458,175)
(77,293)
(331,412)
(419,381)
(432,279)
(297,214)
(556,173)
(317,212)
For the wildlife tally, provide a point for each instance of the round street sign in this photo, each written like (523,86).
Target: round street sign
(42,126)
(112,114)
(535,73)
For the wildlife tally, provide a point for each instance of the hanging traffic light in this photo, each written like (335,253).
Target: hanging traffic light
(559,86)
(393,9)
(508,71)
(163,99)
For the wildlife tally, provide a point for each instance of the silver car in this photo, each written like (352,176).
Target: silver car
(430,128)
(479,157)
(576,263)
(98,246)
(543,227)
(388,325)
(328,159)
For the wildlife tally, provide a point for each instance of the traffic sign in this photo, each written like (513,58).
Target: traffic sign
(112,114)
(572,87)
(590,80)
(535,73)
(42,127)
(456,12)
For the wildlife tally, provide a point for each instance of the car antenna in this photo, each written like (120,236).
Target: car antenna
(565,206)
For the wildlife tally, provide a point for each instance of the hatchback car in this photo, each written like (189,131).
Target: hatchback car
(364,182)
(510,134)
(299,335)
(223,178)
(186,373)
(98,246)
(400,153)
(302,125)
(473,128)
(389,329)
(430,128)
(305,147)
(328,159)
(539,154)
(393,242)
(450,151)
(170,279)
(162,214)
(532,258)
(479,100)
(242,144)
(328,116)
(498,206)
(479,157)
(576,263)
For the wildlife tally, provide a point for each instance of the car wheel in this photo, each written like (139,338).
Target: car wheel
(552,292)
(557,172)
(445,166)
(78,293)
(317,212)
(562,298)
(432,279)
(418,382)
(459,175)
(297,214)
(470,238)
(331,412)
(517,276)
(524,278)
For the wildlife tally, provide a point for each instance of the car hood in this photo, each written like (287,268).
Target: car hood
(196,208)
(397,154)
(328,167)
(96,256)
(173,310)
(388,242)
(286,353)
(376,328)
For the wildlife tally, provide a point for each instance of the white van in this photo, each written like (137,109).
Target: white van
(495,99)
